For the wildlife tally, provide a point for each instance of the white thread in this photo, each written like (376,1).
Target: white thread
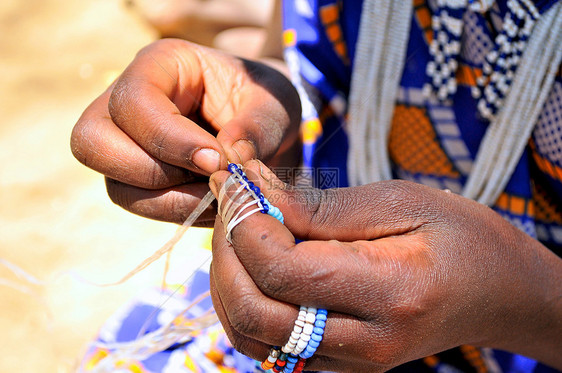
(235,209)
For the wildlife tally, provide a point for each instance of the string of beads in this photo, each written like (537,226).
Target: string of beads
(310,323)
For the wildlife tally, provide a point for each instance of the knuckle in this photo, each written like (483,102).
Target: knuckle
(321,204)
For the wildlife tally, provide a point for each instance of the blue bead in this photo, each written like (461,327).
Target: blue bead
(320,323)
(240,172)
(250,184)
(245,178)
(315,337)
(256,190)
(232,167)
(321,317)
(322,311)
(292,359)
(265,209)
(313,344)
(318,331)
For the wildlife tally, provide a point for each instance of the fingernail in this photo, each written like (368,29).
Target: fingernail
(244,150)
(207,160)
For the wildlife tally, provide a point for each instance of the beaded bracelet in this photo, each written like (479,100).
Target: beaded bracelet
(309,326)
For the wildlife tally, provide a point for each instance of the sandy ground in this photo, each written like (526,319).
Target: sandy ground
(56,56)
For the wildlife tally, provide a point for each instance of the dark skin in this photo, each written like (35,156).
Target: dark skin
(179,112)
(404,270)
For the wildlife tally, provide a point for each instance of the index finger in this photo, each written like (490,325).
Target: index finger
(151,102)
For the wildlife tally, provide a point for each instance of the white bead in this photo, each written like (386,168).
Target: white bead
(442,93)
(305,337)
(455,47)
(299,322)
(426,90)
(310,319)
(487,69)
(501,39)
(435,22)
(295,335)
(453,64)
(452,85)
(433,47)
(271,359)
(475,92)
(286,349)
(437,79)
(430,68)
(515,60)
(492,56)
(481,105)
(294,340)
(308,328)
(476,7)
(442,37)
(297,329)
(301,345)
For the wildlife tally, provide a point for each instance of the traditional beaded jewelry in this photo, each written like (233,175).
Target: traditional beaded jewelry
(317,334)
(310,323)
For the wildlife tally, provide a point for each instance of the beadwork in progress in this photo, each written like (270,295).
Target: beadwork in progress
(309,326)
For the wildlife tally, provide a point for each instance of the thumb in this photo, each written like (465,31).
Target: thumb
(347,214)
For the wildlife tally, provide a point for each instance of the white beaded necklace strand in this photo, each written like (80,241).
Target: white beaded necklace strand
(380,55)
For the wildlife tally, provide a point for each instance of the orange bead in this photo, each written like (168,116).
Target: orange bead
(266,365)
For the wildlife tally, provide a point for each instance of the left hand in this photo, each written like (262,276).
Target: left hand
(404,270)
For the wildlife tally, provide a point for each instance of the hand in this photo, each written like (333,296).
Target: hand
(178,113)
(405,271)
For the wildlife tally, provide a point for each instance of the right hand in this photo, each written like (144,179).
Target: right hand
(178,113)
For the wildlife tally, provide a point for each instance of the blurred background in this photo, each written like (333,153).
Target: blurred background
(55,216)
